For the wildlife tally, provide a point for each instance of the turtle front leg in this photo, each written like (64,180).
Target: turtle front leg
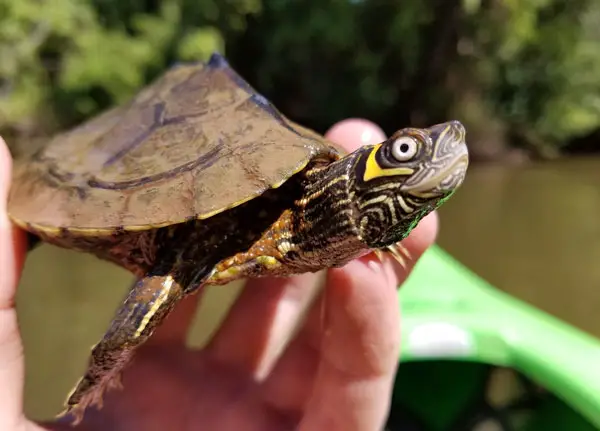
(265,257)
(150,300)
(246,265)
(292,245)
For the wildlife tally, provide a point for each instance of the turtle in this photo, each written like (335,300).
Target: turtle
(200,180)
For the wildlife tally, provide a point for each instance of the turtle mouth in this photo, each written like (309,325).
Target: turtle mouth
(443,180)
(453,177)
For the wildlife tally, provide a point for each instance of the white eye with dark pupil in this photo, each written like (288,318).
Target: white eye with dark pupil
(404,148)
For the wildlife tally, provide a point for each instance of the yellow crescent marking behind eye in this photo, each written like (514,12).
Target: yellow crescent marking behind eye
(374,170)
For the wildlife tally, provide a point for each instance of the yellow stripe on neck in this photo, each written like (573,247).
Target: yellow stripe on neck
(374,170)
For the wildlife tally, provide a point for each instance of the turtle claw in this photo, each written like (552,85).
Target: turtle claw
(116,383)
(398,252)
(92,398)
(401,254)
(72,414)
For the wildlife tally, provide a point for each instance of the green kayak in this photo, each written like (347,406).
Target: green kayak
(475,358)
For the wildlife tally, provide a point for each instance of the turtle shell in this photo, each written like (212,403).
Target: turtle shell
(196,142)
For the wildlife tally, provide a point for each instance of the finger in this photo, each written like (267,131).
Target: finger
(12,250)
(355,132)
(360,342)
(266,314)
(359,350)
(12,240)
(291,383)
(261,321)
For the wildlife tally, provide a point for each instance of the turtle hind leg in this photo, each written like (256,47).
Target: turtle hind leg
(147,304)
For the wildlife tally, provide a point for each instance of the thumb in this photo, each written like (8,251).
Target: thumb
(11,349)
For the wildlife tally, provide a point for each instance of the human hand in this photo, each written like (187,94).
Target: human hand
(336,373)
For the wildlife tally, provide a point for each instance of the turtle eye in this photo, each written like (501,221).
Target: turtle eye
(404,148)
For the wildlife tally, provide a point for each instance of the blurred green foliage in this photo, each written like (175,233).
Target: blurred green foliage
(63,60)
(518,72)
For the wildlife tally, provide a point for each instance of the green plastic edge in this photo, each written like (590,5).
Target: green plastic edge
(448,312)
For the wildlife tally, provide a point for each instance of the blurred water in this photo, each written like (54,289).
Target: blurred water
(533,231)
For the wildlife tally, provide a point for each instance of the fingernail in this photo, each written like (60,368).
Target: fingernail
(372,134)
(375,266)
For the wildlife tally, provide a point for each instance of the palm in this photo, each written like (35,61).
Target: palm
(177,388)
(216,384)
(173,387)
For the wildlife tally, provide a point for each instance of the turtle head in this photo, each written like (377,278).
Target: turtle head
(399,181)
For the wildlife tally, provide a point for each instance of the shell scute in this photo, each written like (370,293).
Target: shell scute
(197,141)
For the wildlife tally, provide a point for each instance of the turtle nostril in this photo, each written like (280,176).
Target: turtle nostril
(458,126)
